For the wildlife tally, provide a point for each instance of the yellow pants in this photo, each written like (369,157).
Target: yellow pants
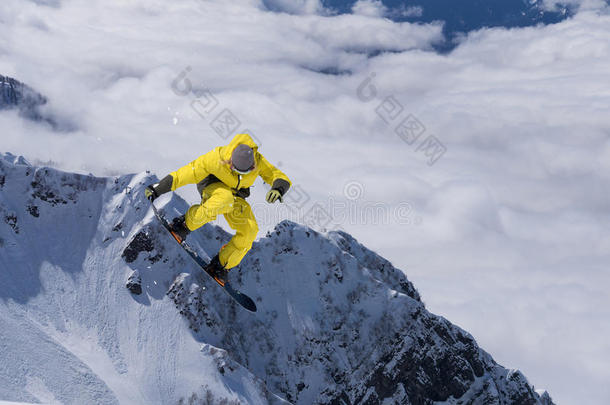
(217,198)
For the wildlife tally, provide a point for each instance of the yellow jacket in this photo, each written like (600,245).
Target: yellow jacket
(217,163)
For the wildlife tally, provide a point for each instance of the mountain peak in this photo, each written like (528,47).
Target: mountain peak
(14,94)
(15,160)
(336,322)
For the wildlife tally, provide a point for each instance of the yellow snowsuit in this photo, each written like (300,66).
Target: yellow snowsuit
(220,197)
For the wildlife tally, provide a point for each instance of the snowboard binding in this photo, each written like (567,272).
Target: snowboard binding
(178,229)
(217,270)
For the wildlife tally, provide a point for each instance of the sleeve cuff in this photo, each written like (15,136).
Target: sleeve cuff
(281,185)
(165,185)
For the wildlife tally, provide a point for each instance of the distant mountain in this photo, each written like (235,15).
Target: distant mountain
(336,323)
(14,94)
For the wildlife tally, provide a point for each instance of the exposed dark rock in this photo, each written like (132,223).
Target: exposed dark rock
(67,189)
(140,243)
(11,220)
(46,194)
(134,283)
(33,210)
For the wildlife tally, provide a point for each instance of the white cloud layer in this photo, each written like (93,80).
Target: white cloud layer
(370,8)
(509,234)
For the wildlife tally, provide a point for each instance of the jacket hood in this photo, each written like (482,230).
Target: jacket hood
(227,150)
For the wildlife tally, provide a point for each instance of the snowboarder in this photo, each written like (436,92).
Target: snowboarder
(223,177)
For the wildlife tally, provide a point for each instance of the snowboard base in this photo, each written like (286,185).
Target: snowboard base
(239,297)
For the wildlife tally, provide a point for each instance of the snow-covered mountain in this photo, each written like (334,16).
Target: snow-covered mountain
(336,323)
(14,94)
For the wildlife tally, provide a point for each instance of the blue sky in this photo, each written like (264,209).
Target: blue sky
(459,17)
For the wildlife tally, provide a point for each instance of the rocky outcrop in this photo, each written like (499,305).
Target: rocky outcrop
(14,94)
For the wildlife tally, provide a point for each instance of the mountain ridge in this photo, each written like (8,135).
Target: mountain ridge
(337,323)
(14,94)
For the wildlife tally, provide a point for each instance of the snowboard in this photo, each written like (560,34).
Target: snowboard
(239,297)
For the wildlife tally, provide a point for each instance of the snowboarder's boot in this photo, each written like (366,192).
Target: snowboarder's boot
(179,229)
(217,270)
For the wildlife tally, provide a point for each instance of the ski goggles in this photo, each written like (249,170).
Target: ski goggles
(235,169)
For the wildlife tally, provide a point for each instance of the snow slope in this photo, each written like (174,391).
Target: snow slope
(336,322)
(69,330)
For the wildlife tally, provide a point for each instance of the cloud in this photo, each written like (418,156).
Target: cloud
(508,235)
(582,5)
(375,8)
(369,8)
(407,11)
(295,6)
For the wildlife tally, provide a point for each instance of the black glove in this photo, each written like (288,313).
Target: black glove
(153,191)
